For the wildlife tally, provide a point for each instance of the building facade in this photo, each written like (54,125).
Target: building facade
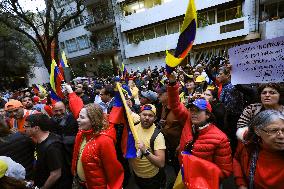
(150,27)
(138,32)
(74,40)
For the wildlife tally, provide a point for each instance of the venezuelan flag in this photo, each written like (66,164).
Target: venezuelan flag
(55,79)
(123,71)
(186,38)
(63,63)
(35,89)
(120,114)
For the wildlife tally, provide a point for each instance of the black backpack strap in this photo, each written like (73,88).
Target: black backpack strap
(153,138)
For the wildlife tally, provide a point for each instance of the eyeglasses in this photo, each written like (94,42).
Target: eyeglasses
(273,132)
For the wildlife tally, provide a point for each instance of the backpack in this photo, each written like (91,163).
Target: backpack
(152,145)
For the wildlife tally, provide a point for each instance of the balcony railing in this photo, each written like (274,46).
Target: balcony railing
(97,22)
(108,45)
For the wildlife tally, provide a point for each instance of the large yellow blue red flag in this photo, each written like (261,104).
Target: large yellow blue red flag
(51,79)
(120,115)
(186,38)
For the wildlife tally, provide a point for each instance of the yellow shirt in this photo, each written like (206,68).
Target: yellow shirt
(80,170)
(143,167)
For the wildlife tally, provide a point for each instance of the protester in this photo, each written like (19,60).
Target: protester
(27,103)
(51,170)
(96,139)
(7,182)
(147,168)
(199,136)
(18,115)
(16,146)
(259,162)
(148,97)
(270,98)
(80,91)
(171,127)
(107,94)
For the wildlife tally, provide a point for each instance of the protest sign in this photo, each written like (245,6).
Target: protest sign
(258,62)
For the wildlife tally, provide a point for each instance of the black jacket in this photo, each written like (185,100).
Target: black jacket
(19,148)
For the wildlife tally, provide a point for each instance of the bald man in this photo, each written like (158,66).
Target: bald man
(64,123)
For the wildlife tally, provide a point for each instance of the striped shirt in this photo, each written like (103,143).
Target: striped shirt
(247,115)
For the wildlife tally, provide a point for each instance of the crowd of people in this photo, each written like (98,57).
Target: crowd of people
(192,120)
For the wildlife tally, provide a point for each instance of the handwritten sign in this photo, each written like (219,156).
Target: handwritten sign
(258,62)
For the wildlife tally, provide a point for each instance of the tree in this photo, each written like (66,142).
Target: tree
(42,27)
(16,56)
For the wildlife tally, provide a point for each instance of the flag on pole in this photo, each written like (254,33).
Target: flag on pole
(186,38)
(55,79)
(35,89)
(120,114)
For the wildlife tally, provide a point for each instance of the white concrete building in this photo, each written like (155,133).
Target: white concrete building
(74,39)
(150,27)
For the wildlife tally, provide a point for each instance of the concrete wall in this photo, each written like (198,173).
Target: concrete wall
(204,35)
(272,29)
(162,12)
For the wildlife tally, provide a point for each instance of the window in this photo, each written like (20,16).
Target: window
(273,11)
(161,30)
(68,26)
(83,42)
(71,45)
(229,14)
(211,16)
(130,37)
(62,45)
(149,33)
(221,16)
(232,27)
(281,9)
(138,35)
(173,27)
(206,18)
(78,21)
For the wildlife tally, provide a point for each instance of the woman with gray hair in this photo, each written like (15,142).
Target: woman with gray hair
(259,161)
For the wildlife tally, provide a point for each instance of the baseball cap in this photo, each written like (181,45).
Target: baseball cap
(152,96)
(149,107)
(202,104)
(162,89)
(200,79)
(3,168)
(13,104)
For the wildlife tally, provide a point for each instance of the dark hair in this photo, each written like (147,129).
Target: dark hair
(212,118)
(12,183)
(109,90)
(40,120)
(4,129)
(270,85)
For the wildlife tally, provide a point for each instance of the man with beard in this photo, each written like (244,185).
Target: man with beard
(18,114)
(80,91)
(64,125)
(147,168)
(27,103)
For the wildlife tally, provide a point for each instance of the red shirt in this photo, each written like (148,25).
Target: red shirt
(269,171)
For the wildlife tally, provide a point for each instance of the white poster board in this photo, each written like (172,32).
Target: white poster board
(258,62)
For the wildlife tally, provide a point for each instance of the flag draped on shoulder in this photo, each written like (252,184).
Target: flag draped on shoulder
(186,38)
(120,114)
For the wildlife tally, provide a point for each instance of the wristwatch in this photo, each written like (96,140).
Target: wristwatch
(146,153)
